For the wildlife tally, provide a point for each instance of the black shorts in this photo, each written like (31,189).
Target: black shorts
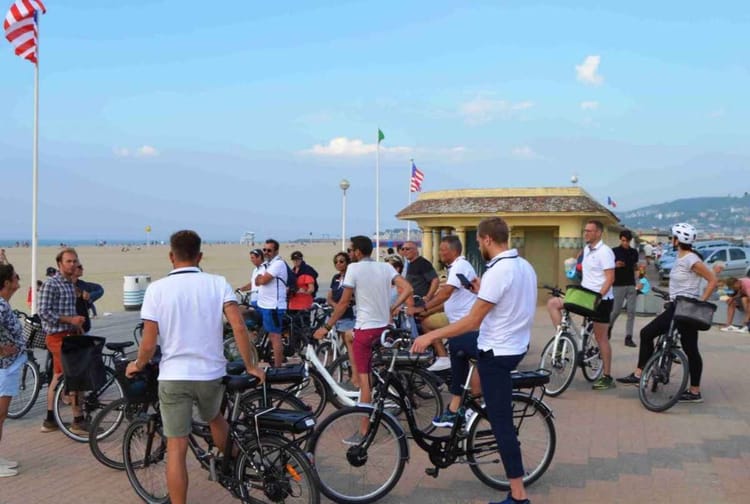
(603,311)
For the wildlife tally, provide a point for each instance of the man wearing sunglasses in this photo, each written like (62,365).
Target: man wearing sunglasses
(272,283)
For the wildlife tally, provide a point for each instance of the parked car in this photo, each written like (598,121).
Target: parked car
(735,259)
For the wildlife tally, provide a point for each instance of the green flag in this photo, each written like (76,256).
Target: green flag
(381,136)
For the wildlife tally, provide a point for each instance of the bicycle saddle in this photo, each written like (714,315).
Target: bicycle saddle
(119,346)
(240,383)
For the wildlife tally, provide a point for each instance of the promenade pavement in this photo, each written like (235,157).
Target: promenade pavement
(609,448)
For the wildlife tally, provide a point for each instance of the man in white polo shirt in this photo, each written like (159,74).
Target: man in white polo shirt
(599,275)
(183,311)
(370,283)
(272,284)
(503,313)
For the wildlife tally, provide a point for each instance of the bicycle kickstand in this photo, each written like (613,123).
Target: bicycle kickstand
(432,471)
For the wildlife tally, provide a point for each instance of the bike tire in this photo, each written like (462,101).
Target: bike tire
(536,435)
(592,365)
(260,399)
(114,420)
(144,449)
(325,352)
(341,371)
(28,391)
(64,412)
(562,367)
(286,475)
(654,393)
(353,474)
(313,392)
(423,391)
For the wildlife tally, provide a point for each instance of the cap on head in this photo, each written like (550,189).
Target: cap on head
(257,252)
(296,255)
(51,271)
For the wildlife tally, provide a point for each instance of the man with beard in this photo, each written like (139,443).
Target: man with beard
(503,313)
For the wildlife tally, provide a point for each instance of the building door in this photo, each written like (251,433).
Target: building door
(540,251)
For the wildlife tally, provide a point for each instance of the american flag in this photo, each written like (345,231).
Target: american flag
(21,28)
(416,178)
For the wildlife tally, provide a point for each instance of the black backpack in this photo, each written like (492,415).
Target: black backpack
(291,281)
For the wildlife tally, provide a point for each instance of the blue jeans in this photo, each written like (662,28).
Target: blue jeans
(497,387)
(466,344)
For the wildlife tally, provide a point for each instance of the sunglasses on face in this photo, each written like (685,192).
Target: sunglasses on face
(268,250)
(339,261)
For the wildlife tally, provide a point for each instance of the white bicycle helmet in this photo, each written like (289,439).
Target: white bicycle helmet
(684,232)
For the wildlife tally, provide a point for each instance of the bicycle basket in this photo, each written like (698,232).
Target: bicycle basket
(33,333)
(697,313)
(143,387)
(82,362)
(581,301)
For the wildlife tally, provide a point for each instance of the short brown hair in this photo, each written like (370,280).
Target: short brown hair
(185,245)
(66,250)
(494,227)
(597,223)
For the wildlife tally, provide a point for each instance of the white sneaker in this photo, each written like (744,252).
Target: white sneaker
(440,364)
(6,472)
(729,328)
(743,329)
(10,464)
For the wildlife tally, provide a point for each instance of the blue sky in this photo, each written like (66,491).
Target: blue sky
(246,118)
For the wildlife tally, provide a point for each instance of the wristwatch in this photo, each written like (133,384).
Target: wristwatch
(328,326)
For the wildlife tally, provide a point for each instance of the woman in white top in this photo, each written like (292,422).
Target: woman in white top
(684,280)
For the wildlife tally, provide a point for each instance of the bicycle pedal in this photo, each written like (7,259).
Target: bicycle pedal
(432,471)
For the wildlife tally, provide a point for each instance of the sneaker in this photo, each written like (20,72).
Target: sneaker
(10,464)
(440,364)
(446,419)
(510,500)
(354,439)
(79,428)
(629,342)
(6,472)
(604,383)
(688,396)
(729,328)
(631,379)
(50,426)
(743,329)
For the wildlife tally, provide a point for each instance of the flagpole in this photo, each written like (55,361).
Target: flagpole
(35,179)
(408,200)
(377,198)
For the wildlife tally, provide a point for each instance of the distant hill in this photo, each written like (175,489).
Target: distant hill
(727,216)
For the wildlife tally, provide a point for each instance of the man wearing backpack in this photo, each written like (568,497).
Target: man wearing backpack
(302,268)
(272,297)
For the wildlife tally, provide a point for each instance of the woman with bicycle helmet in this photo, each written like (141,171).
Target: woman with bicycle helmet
(684,280)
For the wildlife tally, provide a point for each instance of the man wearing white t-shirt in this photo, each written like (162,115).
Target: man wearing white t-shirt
(370,283)
(503,313)
(272,282)
(599,276)
(183,312)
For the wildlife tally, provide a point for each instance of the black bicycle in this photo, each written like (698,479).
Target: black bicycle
(265,467)
(33,378)
(360,452)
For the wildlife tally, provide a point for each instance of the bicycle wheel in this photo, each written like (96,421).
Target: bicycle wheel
(271,398)
(341,371)
(144,450)
(90,404)
(28,391)
(230,349)
(112,421)
(424,395)
(536,435)
(358,474)
(591,363)
(313,392)
(273,470)
(326,353)
(560,362)
(663,380)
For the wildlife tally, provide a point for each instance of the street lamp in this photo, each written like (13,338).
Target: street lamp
(344,185)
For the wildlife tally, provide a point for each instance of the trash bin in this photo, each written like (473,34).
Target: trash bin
(133,289)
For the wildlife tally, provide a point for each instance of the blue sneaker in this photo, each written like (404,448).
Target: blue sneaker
(511,500)
(446,419)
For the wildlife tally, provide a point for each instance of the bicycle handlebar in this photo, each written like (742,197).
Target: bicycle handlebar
(398,338)
(661,293)
(554,291)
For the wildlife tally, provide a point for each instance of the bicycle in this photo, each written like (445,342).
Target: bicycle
(32,377)
(570,348)
(266,468)
(665,375)
(374,461)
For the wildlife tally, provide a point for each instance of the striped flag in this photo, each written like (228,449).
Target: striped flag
(416,178)
(611,202)
(21,28)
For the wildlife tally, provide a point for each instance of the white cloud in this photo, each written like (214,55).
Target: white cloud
(589,105)
(586,71)
(524,152)
(146,151)
(343,146)
(482,110)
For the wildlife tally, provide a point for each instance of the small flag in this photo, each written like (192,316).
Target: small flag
(416,178)
(21,28)
(611,202)
(381,136)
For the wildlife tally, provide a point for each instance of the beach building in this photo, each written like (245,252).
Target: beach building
(546,223)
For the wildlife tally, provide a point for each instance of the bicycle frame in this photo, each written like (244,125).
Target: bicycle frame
(347,397)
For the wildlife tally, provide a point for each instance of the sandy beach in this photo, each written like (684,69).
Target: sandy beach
(108,265)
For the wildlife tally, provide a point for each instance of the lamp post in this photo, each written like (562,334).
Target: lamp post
(344,185)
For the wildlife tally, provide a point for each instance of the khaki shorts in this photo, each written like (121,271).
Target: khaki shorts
(176,399)
(436,321)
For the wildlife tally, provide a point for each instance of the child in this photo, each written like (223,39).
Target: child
(643,286)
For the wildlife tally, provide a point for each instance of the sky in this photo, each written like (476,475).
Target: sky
(175,114)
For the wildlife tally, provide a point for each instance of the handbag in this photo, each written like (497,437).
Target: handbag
(581,301)
(694,312)
(82,363)
(32,331)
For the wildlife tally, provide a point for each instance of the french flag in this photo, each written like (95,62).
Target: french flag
(611,202)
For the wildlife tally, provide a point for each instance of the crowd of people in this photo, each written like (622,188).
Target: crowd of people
(488,319)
